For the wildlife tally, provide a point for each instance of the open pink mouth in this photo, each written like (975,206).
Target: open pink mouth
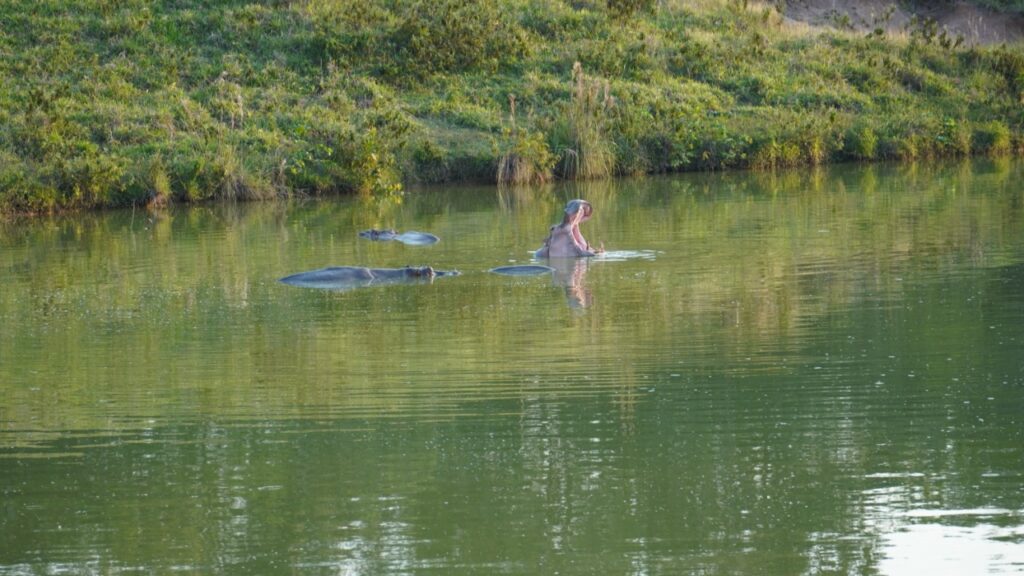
(582,214)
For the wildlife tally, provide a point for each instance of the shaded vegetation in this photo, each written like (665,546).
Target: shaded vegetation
(125,102)
(1004,5)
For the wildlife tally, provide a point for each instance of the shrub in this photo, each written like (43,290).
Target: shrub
(159,183)
(526,160)
(621,54)
(956,137)
(429,163)
(622,9)
(993,138)
(772,153)
(816,148)
(907,147)
(526,157)
(89,179)
(369,165)
(863,143)
(692,58)
(718,143)
(458,35)
(18,186)
(1010,64)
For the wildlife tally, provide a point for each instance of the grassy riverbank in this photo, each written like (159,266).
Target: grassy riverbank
(119,102)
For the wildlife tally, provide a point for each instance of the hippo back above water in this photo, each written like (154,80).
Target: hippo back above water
(349,277)
(410,238)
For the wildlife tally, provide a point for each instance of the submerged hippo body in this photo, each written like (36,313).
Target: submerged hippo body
(565,240)
(349,277)
(412,238)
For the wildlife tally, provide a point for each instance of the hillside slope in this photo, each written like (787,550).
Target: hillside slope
(106,103)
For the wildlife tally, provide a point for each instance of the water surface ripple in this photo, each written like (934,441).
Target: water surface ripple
(770,373)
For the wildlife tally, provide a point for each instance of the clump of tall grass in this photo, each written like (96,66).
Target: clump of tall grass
(529,161)
(775,154)
(216,173)
(159,184)
(587,119)
(862,142)
(907,147)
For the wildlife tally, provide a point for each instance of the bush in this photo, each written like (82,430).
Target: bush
(956,137)
(622,9)
(370,165)
(622,54)
(907,147)
(90,179)
(774,154)
(993,138)
(429,163)
(526,160)
(458,36)
(526,157)
(862,143)
(1010,64)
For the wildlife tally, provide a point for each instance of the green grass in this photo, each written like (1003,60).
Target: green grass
(122,102)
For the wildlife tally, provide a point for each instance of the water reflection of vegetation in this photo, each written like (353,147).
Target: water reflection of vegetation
(182,311)
(724,409)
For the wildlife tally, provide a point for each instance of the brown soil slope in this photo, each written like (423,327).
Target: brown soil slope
(976,24)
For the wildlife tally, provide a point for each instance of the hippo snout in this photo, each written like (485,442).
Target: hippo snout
(419,272)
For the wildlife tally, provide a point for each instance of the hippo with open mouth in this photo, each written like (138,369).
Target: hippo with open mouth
(349,277)
(565,240)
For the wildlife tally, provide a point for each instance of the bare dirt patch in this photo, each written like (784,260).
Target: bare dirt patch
(977,25)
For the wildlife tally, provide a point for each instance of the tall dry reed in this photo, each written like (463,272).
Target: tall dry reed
(589,116)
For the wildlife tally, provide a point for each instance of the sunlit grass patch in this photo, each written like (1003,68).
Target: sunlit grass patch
(259,100)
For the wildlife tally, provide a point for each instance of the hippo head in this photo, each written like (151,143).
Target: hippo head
(416,272)
(576,212)
(375,234)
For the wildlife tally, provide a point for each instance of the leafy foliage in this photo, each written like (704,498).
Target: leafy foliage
(458,36)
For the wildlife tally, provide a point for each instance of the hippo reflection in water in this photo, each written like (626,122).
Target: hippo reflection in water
(567,273)
(349,277)
(565,240)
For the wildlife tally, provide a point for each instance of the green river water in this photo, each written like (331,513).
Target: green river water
(817,372)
